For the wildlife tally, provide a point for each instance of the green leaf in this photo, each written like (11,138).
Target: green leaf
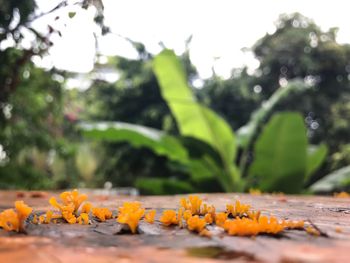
(205,163)
(246,133)
(280,154)
(315,157)
(138,136)
(333,181)
(193,119)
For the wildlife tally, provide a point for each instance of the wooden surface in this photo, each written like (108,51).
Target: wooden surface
(102,242)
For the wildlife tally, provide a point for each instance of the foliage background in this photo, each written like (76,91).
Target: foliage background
(42,148)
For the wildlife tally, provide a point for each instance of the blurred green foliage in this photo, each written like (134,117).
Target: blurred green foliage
(281,160)
(37,139)
(40,147)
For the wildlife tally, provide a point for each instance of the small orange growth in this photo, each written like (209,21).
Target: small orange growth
(205,233)
(35,219)
(220,219)
(187,214)
(71,203)
(46,219)
(69,216)
(41,219)
(102,213)
(66,210)
(293,224)
(196,224)
(342,195)
(73,197)
(208,218)
(248,227)
(169,218)
(83,219)
(254,214)
(48,216)
(149,217)
(130,213)
(193,204)
(86,208)
(13,221)
(208,209)
(9,220)
(237,209)
(312,231)
(180,216)
(338,229)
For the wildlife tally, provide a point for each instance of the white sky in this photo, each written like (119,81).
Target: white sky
(220,29)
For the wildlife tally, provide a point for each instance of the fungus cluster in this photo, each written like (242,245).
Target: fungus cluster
(238,219)
(11,220)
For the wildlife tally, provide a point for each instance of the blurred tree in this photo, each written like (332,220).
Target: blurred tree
(30,100)
(299,48)
(32,124)
(234,98)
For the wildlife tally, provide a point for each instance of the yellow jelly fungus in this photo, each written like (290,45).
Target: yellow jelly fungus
(169,218)
(41,219)
(9,220)
(246,222)
(69,217)
(35,219)
(71,203)
(69,199)
(46,219)
(208,218)
(204,209)
(312,231)
(86,208)
(73,197)
(187,214)
(211,210)
(12,220)
(342,195)
(208,209)
(179,217)
(220,219)
(253,214)
(237,209)
(23,211)
(193,204)
(130,213)
(249,227)
(196,224)
(149,217)
(83,219)
(205,233)
(338,229)
(293,224)
(102,213)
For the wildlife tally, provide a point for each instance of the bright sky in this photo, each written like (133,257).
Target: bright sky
(220,29)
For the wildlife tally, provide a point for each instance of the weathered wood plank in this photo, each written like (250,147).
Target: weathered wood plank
(98,242)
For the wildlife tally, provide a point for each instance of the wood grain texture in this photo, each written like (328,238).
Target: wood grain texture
(105,242)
